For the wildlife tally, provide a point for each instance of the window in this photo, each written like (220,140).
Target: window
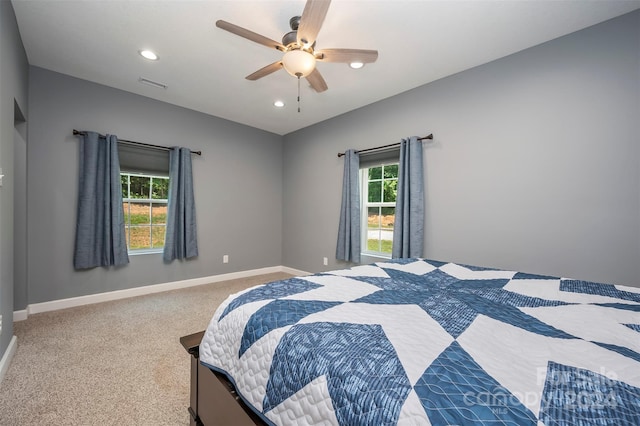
(144,199)
(379,188)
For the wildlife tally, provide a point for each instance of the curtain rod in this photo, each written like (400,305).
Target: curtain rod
(430,136)
(164,148)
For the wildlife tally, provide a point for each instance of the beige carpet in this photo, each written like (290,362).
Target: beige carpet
(113,363)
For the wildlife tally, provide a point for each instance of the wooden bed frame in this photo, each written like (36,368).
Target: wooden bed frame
(213,399)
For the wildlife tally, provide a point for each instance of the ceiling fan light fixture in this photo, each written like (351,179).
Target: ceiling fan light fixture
(356,65)
(278,104)
(299,63)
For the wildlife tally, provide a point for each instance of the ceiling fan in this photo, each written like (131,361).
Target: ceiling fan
(298,45)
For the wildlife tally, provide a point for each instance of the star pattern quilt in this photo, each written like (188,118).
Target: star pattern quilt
(419,342)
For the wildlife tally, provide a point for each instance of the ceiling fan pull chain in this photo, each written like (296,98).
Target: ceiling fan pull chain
(298,92)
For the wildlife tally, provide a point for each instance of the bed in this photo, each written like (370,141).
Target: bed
(419,342)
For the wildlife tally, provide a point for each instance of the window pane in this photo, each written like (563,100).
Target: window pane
(373,244)
(388,217)
(390,191)
(373,217)
(125,208)
(375,173)
(160,189)
(126,233)
(386,241)
(140,186)
(157,233)
(382,187)
(140,237)
(145,222)
(158,213)
(373,229)
(391,171)
(140,213)
(375,192)
(124,180)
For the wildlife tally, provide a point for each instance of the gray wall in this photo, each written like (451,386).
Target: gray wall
(13,95)
(19,182)
(238,186)
(535,164)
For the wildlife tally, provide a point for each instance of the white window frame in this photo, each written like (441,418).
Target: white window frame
(149,201)
(364,209)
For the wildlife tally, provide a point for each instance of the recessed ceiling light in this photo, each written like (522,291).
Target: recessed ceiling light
(148,54)
(278,104)
(356,65)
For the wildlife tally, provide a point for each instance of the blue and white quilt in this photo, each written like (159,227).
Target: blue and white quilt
(419,342)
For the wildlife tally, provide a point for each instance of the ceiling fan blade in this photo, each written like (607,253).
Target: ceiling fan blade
(311,21)
(347,55)
(250,35)
(264,71)
(316,81)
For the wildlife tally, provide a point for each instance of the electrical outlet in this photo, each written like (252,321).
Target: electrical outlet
(225,258)
(325,261)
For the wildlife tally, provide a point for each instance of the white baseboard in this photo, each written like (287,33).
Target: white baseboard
(72,302)
(20,315)
(7,357)
(296,272)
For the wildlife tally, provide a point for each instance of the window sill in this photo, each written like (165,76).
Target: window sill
(141,252)
(373,257)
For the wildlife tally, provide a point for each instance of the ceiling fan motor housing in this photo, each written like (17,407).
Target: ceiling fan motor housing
(294,23)
(292,36)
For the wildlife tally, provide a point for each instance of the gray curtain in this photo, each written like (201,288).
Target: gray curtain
(180,240)
(408,231)
(348,247)
(100,236)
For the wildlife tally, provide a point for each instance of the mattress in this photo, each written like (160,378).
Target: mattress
(419,342)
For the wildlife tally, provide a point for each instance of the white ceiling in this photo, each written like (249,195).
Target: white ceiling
(204,66)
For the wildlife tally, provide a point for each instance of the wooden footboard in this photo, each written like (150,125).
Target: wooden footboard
(213,399)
